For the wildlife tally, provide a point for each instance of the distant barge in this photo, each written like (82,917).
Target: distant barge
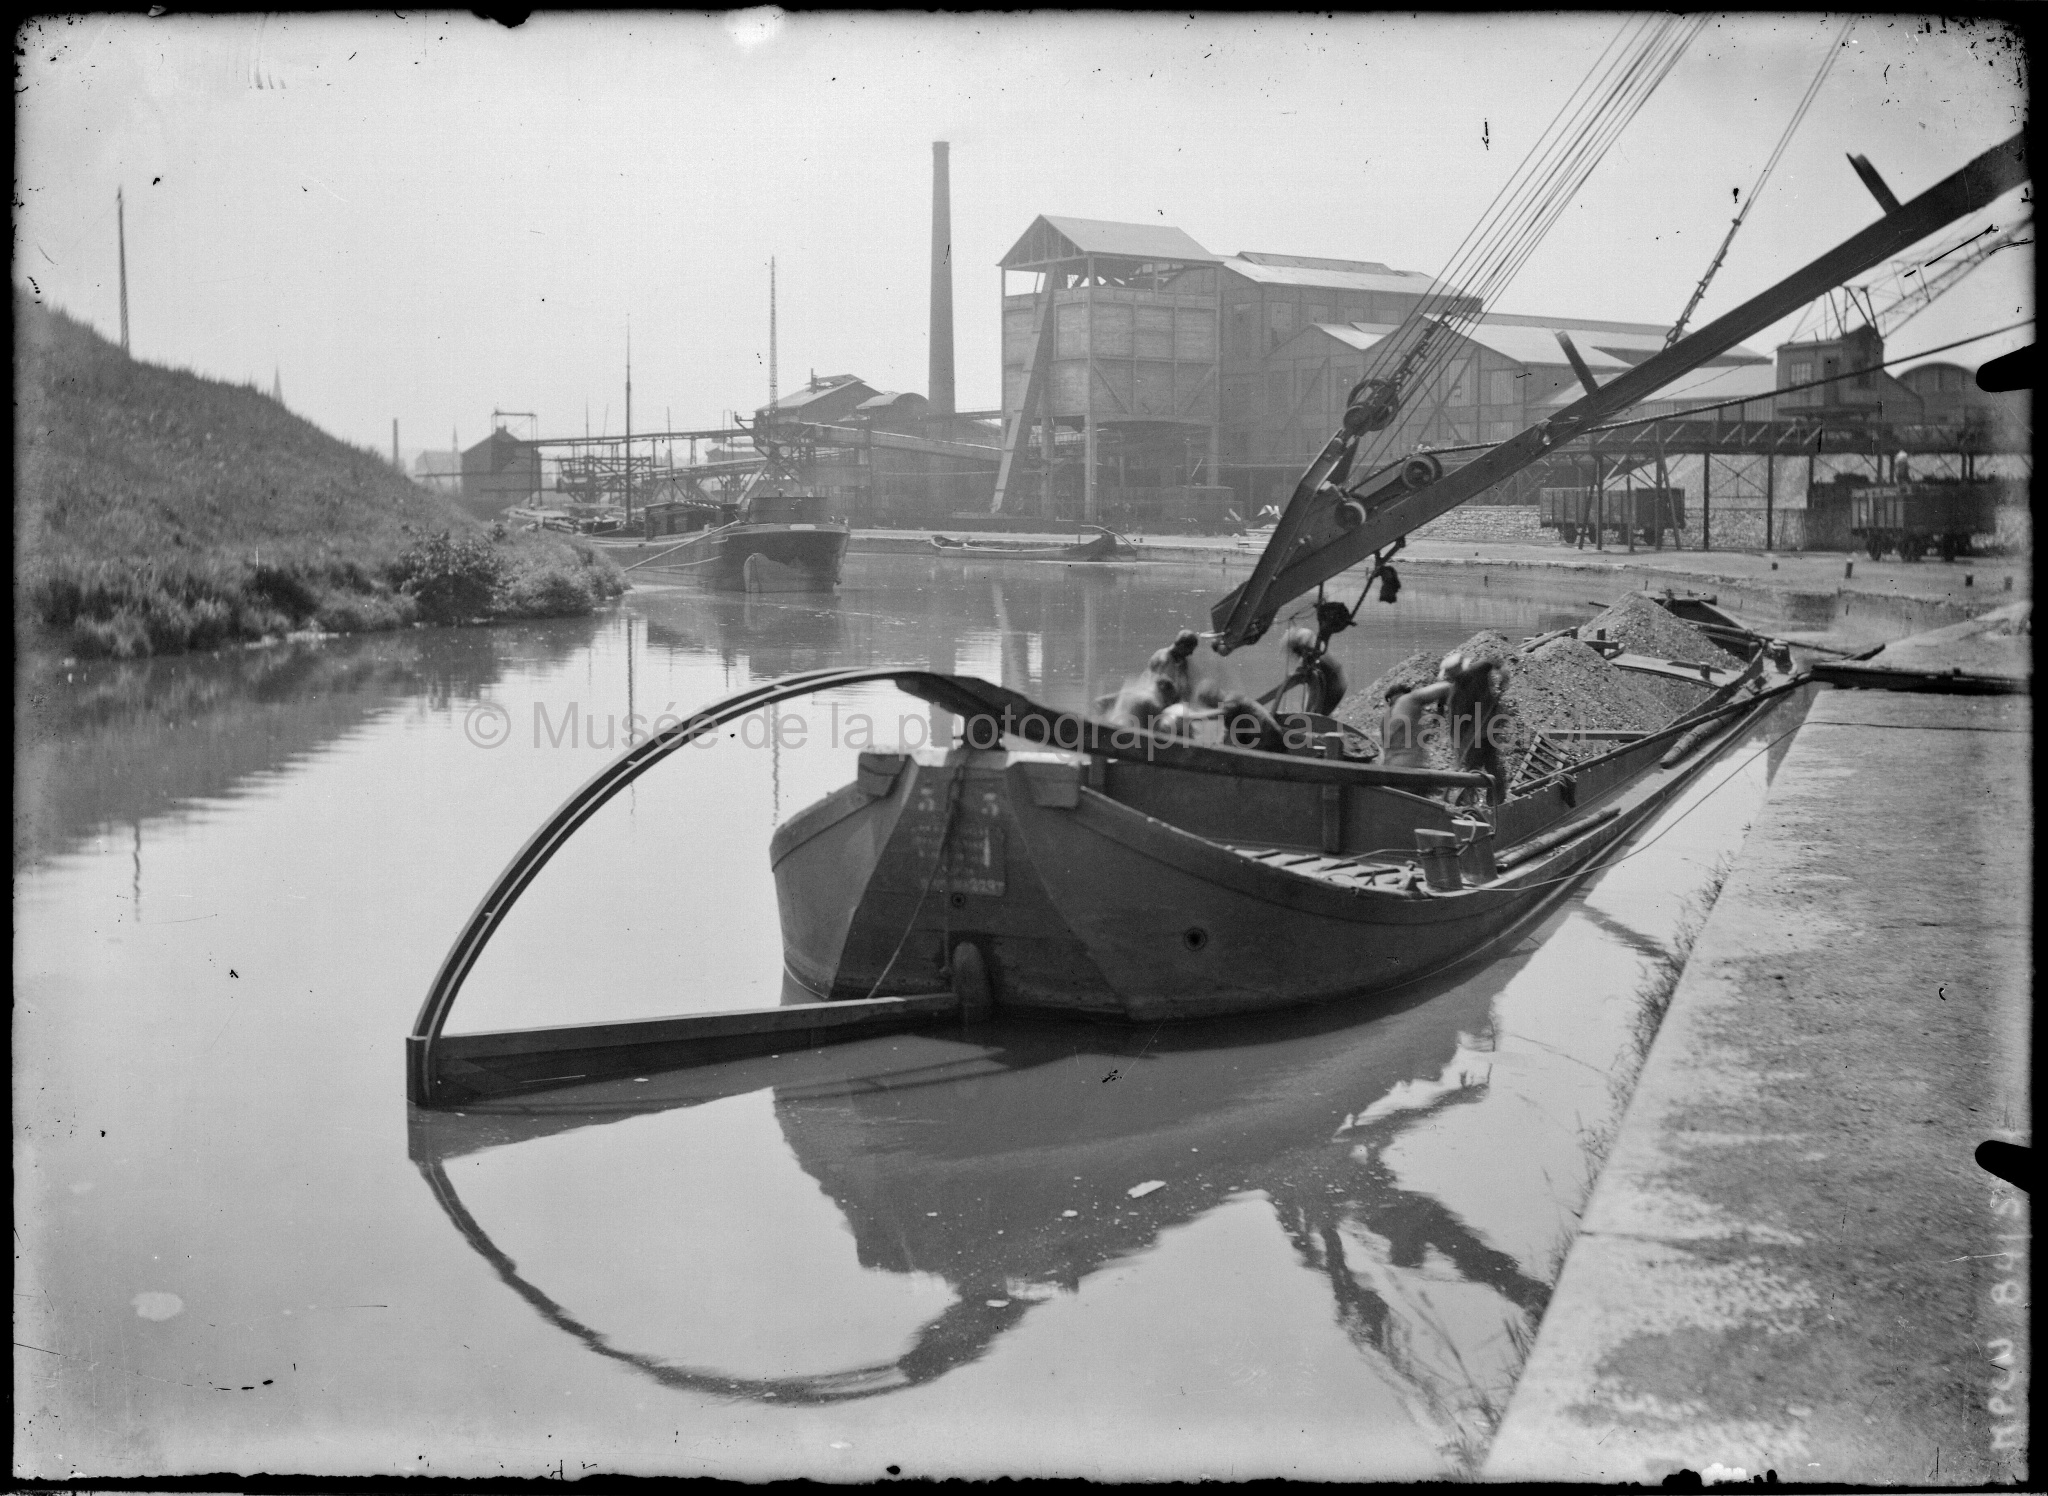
(775,543)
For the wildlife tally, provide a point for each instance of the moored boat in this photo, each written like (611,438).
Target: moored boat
(775,543)
(1170,880)
(1104,545)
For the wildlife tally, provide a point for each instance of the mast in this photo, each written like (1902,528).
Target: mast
(1326,530)
(771,335)
(629,420)
(121,233)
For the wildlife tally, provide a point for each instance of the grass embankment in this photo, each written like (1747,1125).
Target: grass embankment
(156,511)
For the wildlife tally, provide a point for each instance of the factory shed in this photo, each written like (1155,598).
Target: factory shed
(1949,396)
(440,471)
(1054,241)
(831,398)
(499,472)
(893,410)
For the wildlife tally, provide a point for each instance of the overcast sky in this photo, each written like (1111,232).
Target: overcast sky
(430,216)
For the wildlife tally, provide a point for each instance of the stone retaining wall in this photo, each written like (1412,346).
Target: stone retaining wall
(1515,522)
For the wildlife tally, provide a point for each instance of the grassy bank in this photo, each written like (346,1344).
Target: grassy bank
(157,511)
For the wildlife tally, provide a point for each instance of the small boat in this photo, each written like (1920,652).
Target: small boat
(1104,545)
(529,517)
(774,543)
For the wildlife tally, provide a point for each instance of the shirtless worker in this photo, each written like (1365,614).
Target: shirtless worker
(1401,743)
(1476,688)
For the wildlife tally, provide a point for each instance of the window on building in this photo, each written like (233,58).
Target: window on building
(1243,327)
(1279,322)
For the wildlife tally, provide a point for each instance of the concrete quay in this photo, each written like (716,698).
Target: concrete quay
(1850,602)
(1791,1261)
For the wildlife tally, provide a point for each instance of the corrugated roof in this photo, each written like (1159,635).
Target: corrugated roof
(888,398)
(1631,337)
(1126,241)
(1734,382)
(1316,262)
(808,395)
(1538,345)
(1408,282)
(1708,386)
(1359,335)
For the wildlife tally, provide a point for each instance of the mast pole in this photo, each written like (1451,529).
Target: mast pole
(629,419)
(121,234)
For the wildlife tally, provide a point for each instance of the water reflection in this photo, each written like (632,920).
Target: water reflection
(116,743)
(1424,1165)
(1356,1221)
(1005,1166)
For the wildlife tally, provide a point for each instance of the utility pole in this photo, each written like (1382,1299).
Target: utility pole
(771,334)
(629,420)
(394,445)
(121,231)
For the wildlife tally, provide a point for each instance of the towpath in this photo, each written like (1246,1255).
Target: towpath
(1792,1260)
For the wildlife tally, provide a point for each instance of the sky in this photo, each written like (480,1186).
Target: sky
(428,217)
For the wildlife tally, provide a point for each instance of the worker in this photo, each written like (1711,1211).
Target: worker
(1476,689)
(1234,720)
(1170,666)
(1165,683)
(1401,741)
(1246,724)
(1310,666)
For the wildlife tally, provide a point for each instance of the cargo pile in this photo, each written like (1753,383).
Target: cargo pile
(1642,625)
(1563,684)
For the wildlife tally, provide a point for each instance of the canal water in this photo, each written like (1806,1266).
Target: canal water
(1315,1246)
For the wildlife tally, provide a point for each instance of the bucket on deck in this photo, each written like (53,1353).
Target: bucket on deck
(1475,850)
(1438,853)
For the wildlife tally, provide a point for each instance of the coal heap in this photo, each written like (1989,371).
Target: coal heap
(1563,684)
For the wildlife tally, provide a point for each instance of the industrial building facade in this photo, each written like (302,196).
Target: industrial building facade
(1147,380)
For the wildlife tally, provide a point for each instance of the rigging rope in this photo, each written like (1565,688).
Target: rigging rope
(1756,190)
(1620,82)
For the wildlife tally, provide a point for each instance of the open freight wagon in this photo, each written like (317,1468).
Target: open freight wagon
(1589,513)
(1914,518)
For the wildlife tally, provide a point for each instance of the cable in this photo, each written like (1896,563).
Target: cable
(1522,214)
(1798,114)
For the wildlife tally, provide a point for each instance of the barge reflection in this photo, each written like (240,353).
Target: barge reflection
(1007,1163)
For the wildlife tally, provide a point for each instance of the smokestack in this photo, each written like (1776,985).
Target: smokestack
(941,383)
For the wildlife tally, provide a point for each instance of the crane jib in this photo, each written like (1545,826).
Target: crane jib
(1312,543)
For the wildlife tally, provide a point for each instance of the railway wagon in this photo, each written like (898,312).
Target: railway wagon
(1914,518)
(1587,513)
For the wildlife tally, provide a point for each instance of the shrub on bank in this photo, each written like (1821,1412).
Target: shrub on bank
(452,580)
(128,609)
